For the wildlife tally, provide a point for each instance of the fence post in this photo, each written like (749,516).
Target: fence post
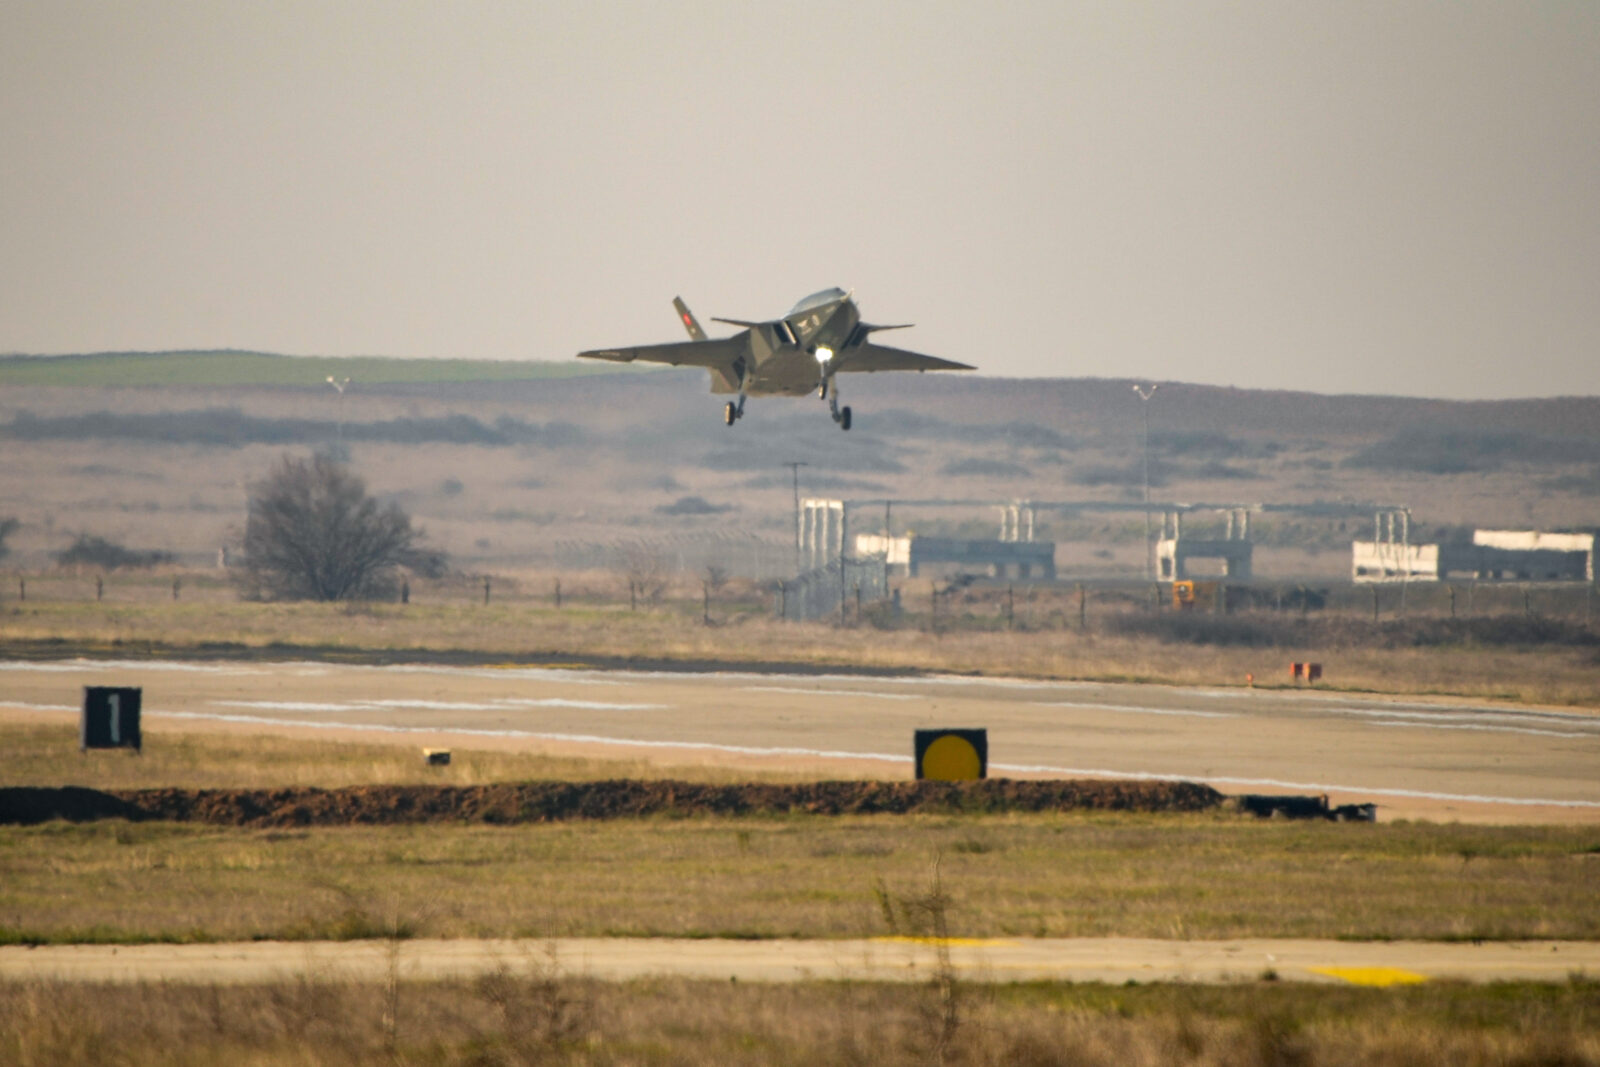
(1374,603)
(783,599)
(22,589)
(633,597)
(1083,607)
(486,589)
(1011,608)
(1527,603)
(705,611)
(177,583)
(1452,601)
(558,594)
(99,588)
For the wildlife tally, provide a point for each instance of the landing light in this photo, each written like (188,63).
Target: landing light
(824,354)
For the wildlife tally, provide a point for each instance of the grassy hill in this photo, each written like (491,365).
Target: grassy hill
(232,367)
(528,464)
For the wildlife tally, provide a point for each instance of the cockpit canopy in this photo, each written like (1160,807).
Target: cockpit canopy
(816,300)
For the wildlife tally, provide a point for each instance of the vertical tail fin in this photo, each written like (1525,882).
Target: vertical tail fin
(690,323)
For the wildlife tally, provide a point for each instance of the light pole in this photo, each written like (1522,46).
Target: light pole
(794,466)
(339,384)
(1144,396)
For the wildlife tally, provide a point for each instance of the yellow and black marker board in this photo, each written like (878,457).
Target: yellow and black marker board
(952,755)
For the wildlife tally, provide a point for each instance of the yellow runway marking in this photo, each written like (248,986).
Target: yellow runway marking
(1376,976)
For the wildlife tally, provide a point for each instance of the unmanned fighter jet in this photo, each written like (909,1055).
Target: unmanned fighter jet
(800,353)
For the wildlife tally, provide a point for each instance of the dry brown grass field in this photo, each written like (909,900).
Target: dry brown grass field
(1549,658)
(532,1013)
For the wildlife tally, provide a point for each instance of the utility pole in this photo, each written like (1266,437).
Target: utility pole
(1144,396)
(339,384)
(794,466)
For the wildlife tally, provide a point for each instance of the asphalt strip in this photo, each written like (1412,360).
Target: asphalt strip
(882,757)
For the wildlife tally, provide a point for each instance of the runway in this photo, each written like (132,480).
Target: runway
(1441,759)
(1112,960)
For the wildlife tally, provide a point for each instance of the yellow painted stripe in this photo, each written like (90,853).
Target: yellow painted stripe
(1378,976)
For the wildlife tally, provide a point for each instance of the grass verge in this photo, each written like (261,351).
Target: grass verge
(530,1013)
(1060,875)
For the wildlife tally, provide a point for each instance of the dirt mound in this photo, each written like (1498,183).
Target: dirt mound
(551,801)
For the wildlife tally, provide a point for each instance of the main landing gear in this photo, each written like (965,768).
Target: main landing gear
(735,411)
(840,415)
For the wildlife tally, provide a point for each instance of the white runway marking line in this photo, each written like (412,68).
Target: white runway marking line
(1410,724)
(498,704)
(81,666)
(38,707)
(1313,787)
(542,674)
(1339,704)
(829,692)
(1133,709)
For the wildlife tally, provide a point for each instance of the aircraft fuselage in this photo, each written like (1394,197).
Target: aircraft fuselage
(785,354)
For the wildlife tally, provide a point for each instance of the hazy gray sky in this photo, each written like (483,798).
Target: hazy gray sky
(1344,197)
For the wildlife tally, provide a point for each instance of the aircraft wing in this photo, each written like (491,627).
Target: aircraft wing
(713,354)
(867,358)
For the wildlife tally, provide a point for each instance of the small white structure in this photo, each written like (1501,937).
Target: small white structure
(1516,555)
(896,551)
(1016,521)
(1174,550)
(1563,555)
(822,531)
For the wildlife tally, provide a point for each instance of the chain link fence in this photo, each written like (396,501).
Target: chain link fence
(843,586)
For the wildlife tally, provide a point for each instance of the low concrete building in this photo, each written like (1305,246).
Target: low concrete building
(1493,555)
(1532,554)
(1234,549)
(906,556)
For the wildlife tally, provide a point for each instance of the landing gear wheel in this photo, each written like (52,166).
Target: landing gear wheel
(844,418)
(730,413)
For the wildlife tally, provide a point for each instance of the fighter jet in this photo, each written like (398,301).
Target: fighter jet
(821,336)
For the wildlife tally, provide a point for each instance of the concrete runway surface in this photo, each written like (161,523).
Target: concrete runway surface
(1442,759)
(1114,960)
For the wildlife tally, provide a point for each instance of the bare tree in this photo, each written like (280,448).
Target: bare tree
(313,533)
(642,565)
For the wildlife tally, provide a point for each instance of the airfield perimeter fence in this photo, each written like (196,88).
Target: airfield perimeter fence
(1263,611)
(736,553)
(841,590)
